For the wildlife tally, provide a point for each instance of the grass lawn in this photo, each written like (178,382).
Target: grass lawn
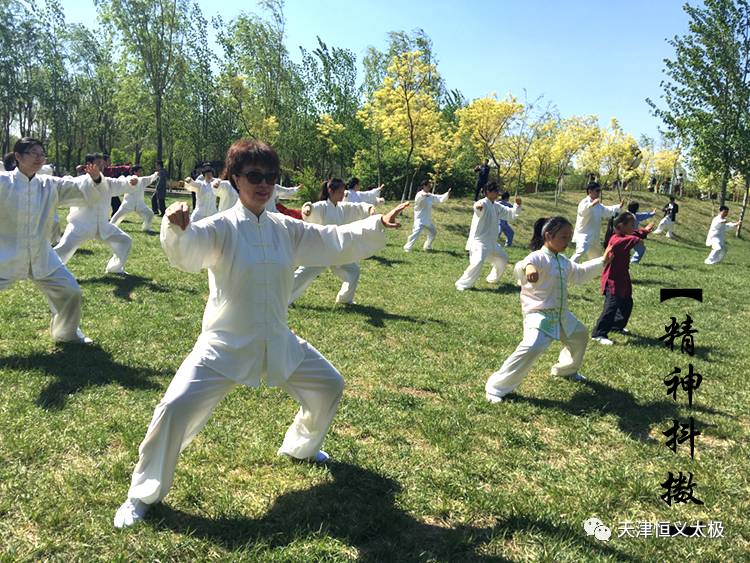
(425,468)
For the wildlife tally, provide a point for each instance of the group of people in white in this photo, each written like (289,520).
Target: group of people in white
(260,261)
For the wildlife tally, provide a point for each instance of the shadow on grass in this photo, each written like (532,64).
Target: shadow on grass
(455,253)
(701,352)
(461,230)
(503,288)
(125,284)
(383,261)
(76,367)
(375,316)
(633,418)
(358,508)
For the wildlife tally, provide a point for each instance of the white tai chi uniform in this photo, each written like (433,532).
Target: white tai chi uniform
(27,208)
(715,239)
(423,218)
(588,227)
(205,198)
(667,222)
(226,193)
(327,213)
(546,318)
(133,202)
(482,244)
(91,221)
(368,196)
(245,336)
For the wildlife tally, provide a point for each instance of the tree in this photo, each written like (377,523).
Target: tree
(575,134)
(707,90)
(154,31)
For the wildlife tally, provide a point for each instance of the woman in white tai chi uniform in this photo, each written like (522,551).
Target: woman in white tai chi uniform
(354,195)
(589,219)
(227,195)
(27,206)
(482,244)
(716,234)
(544,276)
(331,210)
(91,220)
(423,216)
(205,198)
(250,255)
(133,202)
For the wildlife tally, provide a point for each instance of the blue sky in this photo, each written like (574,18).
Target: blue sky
(585,56)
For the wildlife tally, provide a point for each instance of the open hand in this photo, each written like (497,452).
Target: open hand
(648,228)
(178,214)
(93,171)
(389,219)
(518,201)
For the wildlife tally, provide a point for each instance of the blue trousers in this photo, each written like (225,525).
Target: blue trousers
(638,252)
(506,229)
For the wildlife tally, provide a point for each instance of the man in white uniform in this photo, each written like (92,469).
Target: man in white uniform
(589,217)
(133,202)
(423,216)
(716,234)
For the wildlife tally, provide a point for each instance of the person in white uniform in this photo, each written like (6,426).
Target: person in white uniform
(716,234)
(544,276)
(354,195)
(423,203)
(589,219)
(91,220)
(27,206)
(250,255)
(331,210)
(483,234)
(205,198)
(666,225)
(228,195)
(133,202)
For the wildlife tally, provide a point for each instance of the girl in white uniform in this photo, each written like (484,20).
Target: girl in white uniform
(331,210)
(589,219)
(133,201)
(27,206)
(544,276)
(716,233)
(354,195)
(250,255)
(205,198)
(482,244)
(91,220)
(423,216)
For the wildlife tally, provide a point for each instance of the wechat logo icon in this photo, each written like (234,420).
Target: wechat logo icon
(595,527)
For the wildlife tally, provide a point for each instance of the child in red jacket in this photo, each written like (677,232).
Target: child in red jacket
(616,286)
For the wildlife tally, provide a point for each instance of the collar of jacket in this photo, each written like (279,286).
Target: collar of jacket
(245,214)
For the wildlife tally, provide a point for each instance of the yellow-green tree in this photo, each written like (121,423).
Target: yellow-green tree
(614,156)
(575,135)
(405,113)
(540,157)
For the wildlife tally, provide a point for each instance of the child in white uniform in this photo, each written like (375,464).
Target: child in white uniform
(423,215)
(716,233)
(544,276)
(250,255)
(133,201)
(331,210)
(482,244)
(354,195)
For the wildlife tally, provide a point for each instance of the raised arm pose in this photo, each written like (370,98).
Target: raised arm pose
(133,201)
(423,215)
(250,255)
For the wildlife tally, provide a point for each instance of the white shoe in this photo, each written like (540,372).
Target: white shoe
(603,340)
(131,512)
(624,331)
(493,398)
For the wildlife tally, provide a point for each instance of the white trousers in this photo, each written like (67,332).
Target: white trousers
(138,207)
(348,274)
(418,227)
(666,224)
(718,251)
(191,398)
(588,246)
(533,345)
(477,256)
(118,241)
(64,299)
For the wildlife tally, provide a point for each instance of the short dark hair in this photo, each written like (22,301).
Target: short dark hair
(329,186)
(491,187)
(723,208)
(160,163)
(136,168)
(671,198)
(248,151)
(353,181)
(25,144)
(593,186)
(9,161)
(505,195)
(633,207)
(90,158)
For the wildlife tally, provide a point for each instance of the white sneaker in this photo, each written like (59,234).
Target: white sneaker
(493,398)
(603,340)
(624,331)
(131,512)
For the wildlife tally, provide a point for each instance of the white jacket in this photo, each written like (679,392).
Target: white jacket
(92,218)
(545,302)
(423,206)
(484,222)
(717,231)
(132,198)
(226,189)
(205,199)
(589,219)
(325,212)
(251,261)
(226,193)
(367,196)
(27,210)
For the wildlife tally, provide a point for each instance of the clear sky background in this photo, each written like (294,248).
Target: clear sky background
(585,56)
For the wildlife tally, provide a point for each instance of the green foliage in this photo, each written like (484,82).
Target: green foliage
(310,189)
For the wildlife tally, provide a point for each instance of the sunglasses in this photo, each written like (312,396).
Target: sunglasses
(255,177)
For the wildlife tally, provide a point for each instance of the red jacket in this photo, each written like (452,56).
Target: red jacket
(616,274)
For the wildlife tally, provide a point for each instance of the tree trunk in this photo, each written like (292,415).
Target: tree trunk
(159,140)
(744,207)
(724,182)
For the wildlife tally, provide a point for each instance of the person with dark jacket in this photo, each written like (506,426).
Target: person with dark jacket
(158,200)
